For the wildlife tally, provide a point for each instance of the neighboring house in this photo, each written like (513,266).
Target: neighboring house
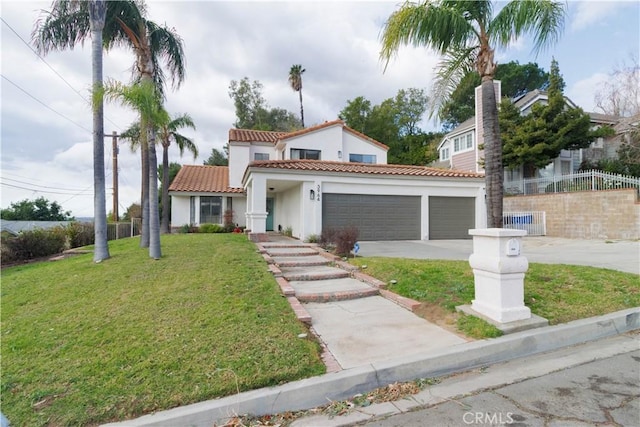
(327,176)
(607,148)
(459,148)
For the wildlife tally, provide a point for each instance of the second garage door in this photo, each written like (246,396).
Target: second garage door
(451,217)
(376,217)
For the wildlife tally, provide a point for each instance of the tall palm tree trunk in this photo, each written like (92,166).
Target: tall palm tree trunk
(155,251)
(493,155)
(164,225)
(97,12)
(301,109)
(144,191)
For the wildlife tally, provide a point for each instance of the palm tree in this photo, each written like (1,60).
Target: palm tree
(167,133)
(67,24)
(295,80)
(97,11)
(143,97)
(466,33)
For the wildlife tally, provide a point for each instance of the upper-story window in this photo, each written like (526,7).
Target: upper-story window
(298,154)
(261,156)
(444,153)
(463,142)
(362,158)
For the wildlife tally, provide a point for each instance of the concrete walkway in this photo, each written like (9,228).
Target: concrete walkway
(347,310)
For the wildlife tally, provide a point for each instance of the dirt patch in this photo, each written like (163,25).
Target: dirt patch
(441,317)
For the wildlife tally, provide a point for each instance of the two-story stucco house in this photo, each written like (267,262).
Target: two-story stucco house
(459,148)
(327,176)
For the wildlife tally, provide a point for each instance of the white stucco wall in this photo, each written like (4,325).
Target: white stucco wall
(328,141)
(239,158)
(180,210)
(354,145)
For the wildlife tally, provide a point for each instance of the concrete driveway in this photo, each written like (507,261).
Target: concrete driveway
(621,255)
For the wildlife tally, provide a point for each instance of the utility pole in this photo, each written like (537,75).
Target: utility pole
(114,150)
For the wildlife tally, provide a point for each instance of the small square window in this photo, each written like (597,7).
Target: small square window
(261,156)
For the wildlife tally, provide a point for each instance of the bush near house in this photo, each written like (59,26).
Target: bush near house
(339,240)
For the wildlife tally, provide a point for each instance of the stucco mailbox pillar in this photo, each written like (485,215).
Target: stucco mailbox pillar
(498,269)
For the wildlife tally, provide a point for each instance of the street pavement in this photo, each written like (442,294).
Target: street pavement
(597,383)
(621,255)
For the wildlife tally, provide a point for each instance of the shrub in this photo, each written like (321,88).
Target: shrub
(34,244)
(188,228)
(288,232)
(211,228)
(228,219)
(80,234)
(343,239)
(313,238)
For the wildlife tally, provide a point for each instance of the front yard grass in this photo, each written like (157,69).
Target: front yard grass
(560,293)
(86,343)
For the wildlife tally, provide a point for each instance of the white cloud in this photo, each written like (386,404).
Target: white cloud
(583,91)
(591,13)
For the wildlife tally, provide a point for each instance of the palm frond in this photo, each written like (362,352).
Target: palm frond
(544,19)
(167,46)
(64,27)
(450,71)
(433,25)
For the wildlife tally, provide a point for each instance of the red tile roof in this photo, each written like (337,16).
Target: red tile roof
(203,179)
(363,168)
(248,135)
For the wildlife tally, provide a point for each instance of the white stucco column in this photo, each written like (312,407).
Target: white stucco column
(498,269)
(257,205)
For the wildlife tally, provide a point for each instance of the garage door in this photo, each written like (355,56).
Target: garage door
(451,217)
(377,217)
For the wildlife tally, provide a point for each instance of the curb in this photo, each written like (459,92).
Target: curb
(316,391)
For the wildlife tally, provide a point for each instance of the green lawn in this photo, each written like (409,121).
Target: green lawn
(86,343)
(560,293)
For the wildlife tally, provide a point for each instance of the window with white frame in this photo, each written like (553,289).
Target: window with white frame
(261,156)
(362,158)
(444,153)
(463,142)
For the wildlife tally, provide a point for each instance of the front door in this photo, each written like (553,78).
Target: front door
(269,225)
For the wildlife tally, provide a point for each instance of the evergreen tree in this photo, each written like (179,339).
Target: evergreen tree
(535,139)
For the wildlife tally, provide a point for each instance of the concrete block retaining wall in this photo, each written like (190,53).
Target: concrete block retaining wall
(613,214)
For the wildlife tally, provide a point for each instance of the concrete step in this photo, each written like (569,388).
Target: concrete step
(298,251)
(301,261)
(331,290)
(313,273)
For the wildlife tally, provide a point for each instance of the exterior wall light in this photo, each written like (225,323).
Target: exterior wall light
(312,195)
(339,154)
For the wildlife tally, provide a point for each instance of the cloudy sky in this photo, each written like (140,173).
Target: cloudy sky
(46,119)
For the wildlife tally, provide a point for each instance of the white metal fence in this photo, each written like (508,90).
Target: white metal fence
(580,181)
(535,223)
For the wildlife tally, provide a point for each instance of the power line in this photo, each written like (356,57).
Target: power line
(39,185)
(51,68)
(36,190)
(45,105)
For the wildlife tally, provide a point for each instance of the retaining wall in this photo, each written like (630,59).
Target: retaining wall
(611,214)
